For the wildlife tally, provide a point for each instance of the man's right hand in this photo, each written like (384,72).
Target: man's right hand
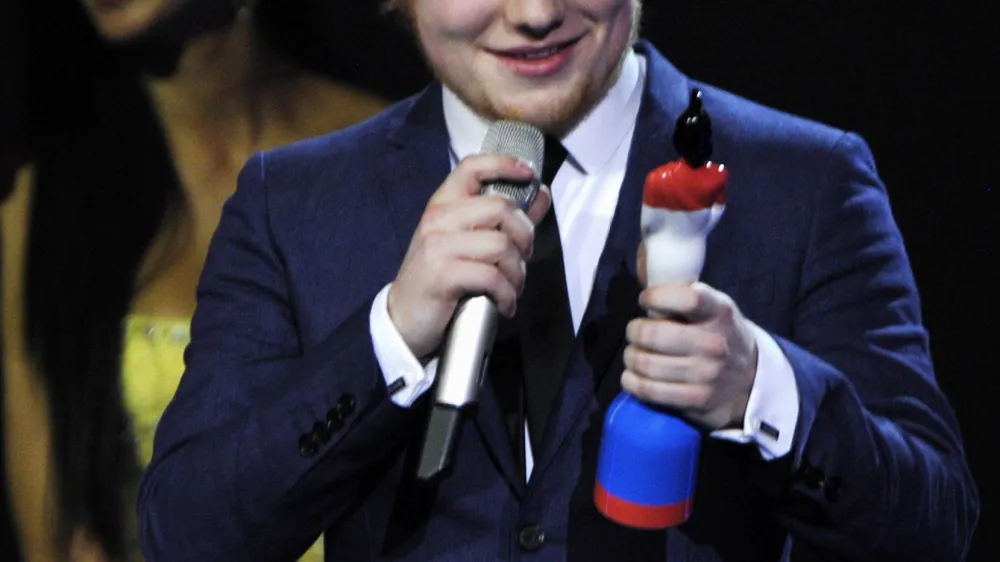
(465,244)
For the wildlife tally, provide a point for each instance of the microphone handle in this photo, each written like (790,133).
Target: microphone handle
(463,360)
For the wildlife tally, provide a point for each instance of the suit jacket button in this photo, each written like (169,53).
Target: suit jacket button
(308,445)
(334,420)
(346,405)
(321,432)
(530,537)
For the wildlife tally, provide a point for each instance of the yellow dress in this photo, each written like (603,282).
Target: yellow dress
(152,365)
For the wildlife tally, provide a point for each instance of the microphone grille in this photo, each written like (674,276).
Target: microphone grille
(523,142)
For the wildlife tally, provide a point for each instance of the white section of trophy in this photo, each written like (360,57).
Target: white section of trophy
(675,243)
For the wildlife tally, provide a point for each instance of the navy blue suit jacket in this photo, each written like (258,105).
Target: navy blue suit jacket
(281,354)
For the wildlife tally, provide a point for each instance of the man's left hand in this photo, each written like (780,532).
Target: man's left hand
(697,354)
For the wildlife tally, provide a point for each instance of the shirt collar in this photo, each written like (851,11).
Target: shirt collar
(590,144)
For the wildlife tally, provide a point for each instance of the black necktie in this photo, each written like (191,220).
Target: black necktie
(531,351)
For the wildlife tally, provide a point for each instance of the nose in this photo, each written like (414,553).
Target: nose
(535,18)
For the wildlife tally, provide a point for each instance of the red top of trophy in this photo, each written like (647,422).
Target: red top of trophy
(679,187)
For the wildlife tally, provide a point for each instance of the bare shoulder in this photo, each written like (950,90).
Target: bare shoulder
(334,105)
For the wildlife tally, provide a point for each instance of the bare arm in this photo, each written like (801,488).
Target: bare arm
(27,438)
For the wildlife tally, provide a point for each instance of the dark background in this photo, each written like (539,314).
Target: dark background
(914,79)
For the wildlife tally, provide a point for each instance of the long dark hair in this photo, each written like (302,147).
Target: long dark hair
(104,188)
(104,183)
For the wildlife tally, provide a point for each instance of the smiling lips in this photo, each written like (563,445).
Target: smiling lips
(537,62)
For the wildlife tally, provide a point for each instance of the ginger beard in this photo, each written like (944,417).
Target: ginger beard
(554,104)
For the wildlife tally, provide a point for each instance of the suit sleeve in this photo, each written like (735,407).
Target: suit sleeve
(265,444)
(878,461)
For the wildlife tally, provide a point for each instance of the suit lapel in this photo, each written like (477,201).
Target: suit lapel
(614,299)
(418,163)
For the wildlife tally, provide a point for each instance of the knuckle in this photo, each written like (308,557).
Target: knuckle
(498,206)
(505,160)
(708,374)
(641,387)
(643,362)
(498,282)
(467,163)
(695,301)
(694,398)
(646,331)
(716,346)
(433,214)
(511,248)
(499,244)
(727,311)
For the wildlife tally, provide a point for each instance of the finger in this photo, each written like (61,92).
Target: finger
(521,231)
(473,171)
(513,267)
(691,397)
(484,246)
(665,368)
(475,278)
(487,212)
(669,337)
(482,213)
(541,205)
(694,303)
(490,247)
(640,265)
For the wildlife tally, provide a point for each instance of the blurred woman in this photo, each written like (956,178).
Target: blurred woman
(141,121)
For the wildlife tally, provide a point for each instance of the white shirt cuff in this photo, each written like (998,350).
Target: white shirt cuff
(773,408)
(405,378)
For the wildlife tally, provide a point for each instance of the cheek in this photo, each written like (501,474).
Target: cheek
(606,10)
(465,20)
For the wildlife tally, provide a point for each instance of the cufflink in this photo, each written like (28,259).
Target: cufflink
(396,386)
(767,429)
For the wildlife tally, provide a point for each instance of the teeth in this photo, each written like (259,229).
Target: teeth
(539,54)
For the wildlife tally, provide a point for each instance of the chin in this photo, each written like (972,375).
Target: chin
(122,30)
(121,34)
(123,21)
(554,110)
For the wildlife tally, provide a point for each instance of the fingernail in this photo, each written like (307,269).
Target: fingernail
(527,220)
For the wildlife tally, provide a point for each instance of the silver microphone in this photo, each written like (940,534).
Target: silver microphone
(469,339)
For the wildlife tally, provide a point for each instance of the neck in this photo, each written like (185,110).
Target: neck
(219,78)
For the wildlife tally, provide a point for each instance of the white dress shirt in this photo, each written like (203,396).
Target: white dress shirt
(584,195)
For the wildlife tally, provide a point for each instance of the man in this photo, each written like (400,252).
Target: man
(338,264)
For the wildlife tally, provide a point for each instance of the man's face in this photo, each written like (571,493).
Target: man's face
(543,62)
